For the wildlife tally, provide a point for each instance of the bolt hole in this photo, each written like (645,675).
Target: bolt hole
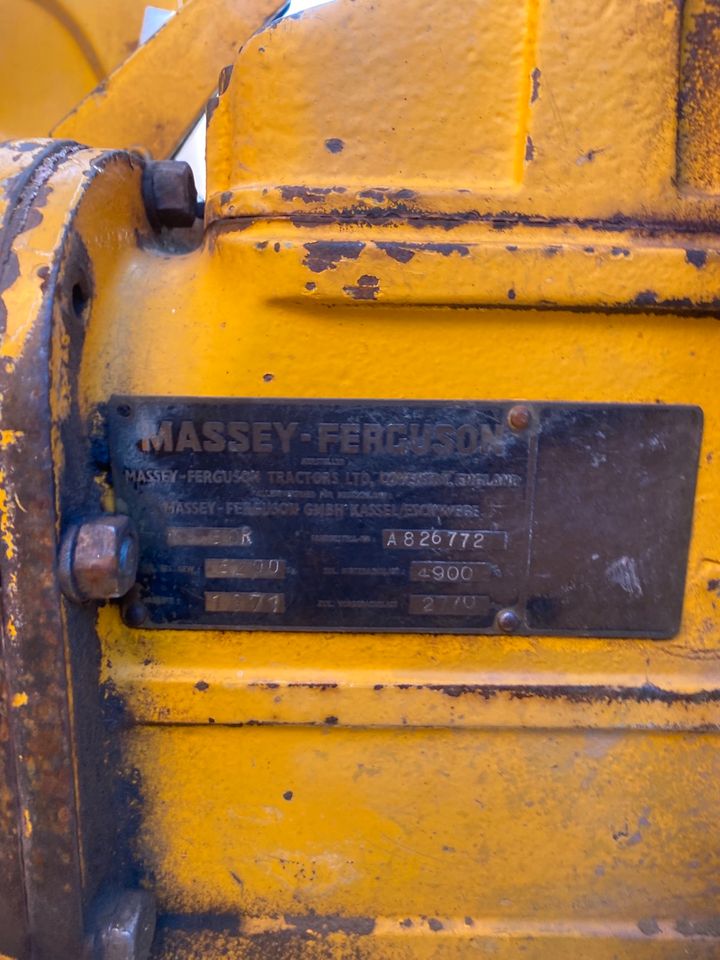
(80,300)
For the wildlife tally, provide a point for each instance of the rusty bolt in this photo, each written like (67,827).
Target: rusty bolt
(508,621)
(98,558)
(169,193)
(519,417)
(125,926)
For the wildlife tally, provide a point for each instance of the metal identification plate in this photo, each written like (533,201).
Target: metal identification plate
(452,517)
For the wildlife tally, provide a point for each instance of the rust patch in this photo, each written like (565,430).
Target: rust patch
(589,156)
(447,248)
(44,274)
(334,145)
(697,258)
(529,149)
(573,693)
(382,194)
(401,252)
(698,110)
(646,298)
(8,276)
(308,194)
(377,195)
(535,80)
(649,926)
(202,686)
(326,254)
(367,288)
(699,928)
(313,925)
(26,193)
(36,665)
(361,214)
(404,252)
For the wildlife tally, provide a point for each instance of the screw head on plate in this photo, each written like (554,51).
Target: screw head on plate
(519,417)
(508,621)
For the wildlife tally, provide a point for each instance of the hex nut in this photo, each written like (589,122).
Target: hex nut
(99,558)
(170,194)
(125,926)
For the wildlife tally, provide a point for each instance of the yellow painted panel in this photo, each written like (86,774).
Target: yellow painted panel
(515,825)
(552,109)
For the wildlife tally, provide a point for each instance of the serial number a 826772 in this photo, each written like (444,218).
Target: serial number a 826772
(462,540)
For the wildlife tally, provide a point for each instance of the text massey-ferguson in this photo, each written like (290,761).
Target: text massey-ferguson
(266,436)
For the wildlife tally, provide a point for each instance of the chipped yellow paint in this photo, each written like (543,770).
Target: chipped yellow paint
(9,437)
(35,249)
(291,777)
(358,794)
(27,823)
(6,525)
(19,700)
(596,133)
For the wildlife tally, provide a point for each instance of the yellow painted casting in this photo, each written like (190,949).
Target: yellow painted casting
(530,187)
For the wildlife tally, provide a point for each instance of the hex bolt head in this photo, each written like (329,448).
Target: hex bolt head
(519,417)
(98,558)
(169,192)
(125,926)
(508,621)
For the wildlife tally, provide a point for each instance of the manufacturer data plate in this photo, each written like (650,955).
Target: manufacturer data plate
(451,517)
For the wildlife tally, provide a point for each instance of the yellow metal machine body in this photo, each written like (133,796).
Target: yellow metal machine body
(406,202)
(54,52)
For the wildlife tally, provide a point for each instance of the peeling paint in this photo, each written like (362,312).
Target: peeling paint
(698,258)
(535,79)
(367,288)
(326,254)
